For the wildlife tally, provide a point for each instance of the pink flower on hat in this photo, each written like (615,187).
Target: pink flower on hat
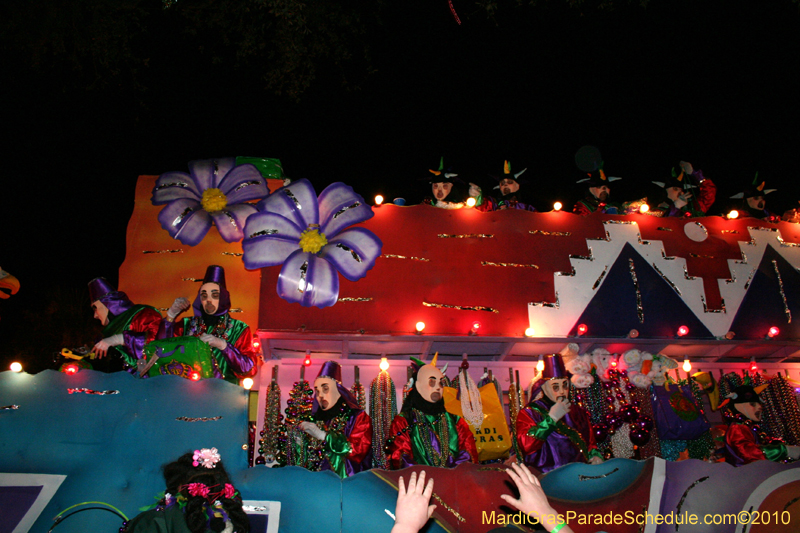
(229,491)
(198,489)
(206,457)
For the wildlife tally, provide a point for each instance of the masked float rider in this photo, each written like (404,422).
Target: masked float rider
(126,327)
(551,431)
(446,187)
(598,194)
(424,433)
(233,354)
(511,196)
(754,203)
(340,429)
(744,440)
(680,188)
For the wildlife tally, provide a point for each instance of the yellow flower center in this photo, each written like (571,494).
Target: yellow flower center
(311,240)
(213,200)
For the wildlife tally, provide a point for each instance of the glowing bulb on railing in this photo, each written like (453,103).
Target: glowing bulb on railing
(530,332)
(557,206)
(733,214)
(773,332)
(378,200)
(16,367)
(471,202)
(540,366)
(644,208)
(419,326)
(687,366)
(683,331)
(247,383)
(384,364)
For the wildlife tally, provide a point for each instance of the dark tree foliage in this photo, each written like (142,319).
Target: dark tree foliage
(96,43)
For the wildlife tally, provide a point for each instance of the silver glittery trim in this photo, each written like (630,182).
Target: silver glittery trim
(345,209)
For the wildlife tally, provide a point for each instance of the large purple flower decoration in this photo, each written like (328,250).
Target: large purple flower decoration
(212,192)
(304,234)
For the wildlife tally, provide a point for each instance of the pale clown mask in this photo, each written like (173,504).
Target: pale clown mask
(430,383)
(209,297)
(556,388)
(441,189)
(751,410)
(100,312)
(326,392)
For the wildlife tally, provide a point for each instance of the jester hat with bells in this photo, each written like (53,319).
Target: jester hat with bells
(754,189)
(553,369)
(419,397)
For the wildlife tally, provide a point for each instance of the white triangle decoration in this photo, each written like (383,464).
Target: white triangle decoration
(574,290)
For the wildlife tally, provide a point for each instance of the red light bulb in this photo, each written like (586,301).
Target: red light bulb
(582,329)
(773,332)
(194,376)
(71,369)
(307,361)
(683,331)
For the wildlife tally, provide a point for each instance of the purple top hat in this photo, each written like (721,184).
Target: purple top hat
(117,302)
(553,369)
(331,369)
(214,274)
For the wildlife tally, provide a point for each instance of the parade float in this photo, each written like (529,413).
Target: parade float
(657,318)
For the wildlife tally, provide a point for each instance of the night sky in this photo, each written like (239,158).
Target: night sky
(711,82)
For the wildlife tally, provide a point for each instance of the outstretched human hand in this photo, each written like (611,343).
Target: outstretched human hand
(413,511)
(214,342)
(532,499)
(102,347)
(314,430)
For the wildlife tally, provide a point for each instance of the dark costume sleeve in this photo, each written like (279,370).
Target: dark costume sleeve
(488,204)
(399,453)
(242,355)
(466,442)
(742,441)
(169,328)
(142,329)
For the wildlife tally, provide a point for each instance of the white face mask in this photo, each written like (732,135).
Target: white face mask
(209,297)
(430,383)
(100,312)
(326,392)
(556,388)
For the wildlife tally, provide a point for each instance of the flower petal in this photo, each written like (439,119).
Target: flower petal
(207,173)
(353,252)
(244,183)
(185,220)
(231,221)
(174,185)
(340,207)
(308,280)
(297,202)
(269,240)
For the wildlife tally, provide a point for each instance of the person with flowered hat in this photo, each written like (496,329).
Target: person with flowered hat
(511,194)
(339,429)
(126,327)
(744,440)
(551,431)
(231,342)
(447,188)
(424,433)
(199,498)
(754,203)
(680,188)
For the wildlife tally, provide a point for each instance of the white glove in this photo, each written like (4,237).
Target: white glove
(314,430)
(101,348)
(794,452)
(559,409)
(214,342)
(687,167)
(178,306)
(683,199)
